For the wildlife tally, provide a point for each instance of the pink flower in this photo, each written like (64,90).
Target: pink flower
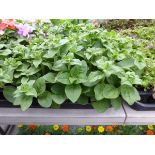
(1,32)
(24,30)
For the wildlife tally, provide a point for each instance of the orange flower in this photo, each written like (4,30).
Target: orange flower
(109,128)
(149,132)
(65,128)
(94,128)
(32,126)
(47,133)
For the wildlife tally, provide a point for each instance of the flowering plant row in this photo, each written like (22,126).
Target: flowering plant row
(58,60)
(85,130)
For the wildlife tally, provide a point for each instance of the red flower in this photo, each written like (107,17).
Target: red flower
(32,126)
(65,128)
(149,132)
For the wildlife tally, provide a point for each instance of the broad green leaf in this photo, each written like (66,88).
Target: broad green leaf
(2,46)
(5,52)
(129,94)
(76,62)
(40,85)
(83,100)
(45,99)
(55,105)
(59,99)
(110,92)
(37,62)
(139,64)
(24,101)
(50,53)
(59,65)
(8,93)
(99,95)
(102,105)
(126,63)
(78,73)
(93,78)
(58,89)
(49,65)
(50,77)
(73,92)
(31,92)
(24,80)
(63,77)
(116,103)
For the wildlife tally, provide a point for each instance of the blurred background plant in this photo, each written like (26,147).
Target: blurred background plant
(119,24)
(86,130)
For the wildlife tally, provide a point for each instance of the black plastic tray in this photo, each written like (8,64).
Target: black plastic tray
(147,103)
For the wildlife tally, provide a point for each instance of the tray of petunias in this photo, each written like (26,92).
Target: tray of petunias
(50,63)
(145,37)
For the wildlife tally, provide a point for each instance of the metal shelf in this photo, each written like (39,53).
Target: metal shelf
(134,117)
(61,116)
(125,115)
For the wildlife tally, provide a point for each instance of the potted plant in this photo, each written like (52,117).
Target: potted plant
(144,36)
(49,63)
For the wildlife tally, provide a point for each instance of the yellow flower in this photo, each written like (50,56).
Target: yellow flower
(20,125)
(150,127)
(55,127)
(88,128)
(79,130)
(100,129)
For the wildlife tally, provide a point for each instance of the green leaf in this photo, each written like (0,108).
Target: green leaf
(93,78)
(78,73)
(83,100)
(76,62)
(99,95)
(2,46)
(129,94)
(24,101)
(50,53)
(37,62)
(126,63)
(140,64)
(45,99)
(40,86)
(50,77)
(116,103)
(59,99)
(49,65)
(102,105)
(63,77)
(110,92)
(31,92)
(8,93)
(5,52)
(58,89)
(59,66)
(55,105)
(73,92)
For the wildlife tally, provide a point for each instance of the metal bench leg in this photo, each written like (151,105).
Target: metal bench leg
(5,132)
